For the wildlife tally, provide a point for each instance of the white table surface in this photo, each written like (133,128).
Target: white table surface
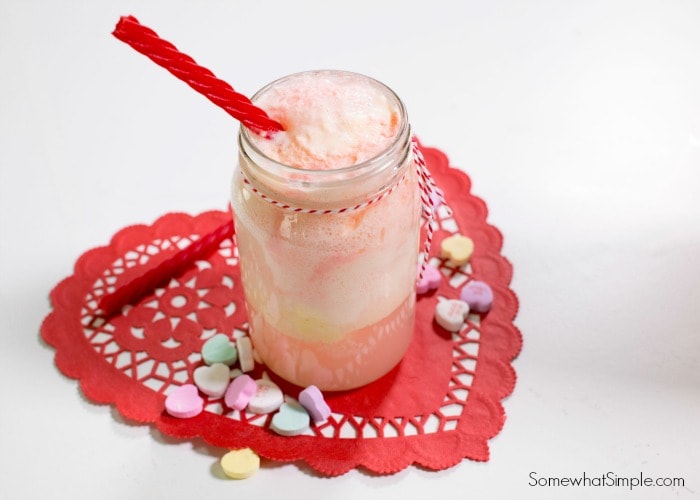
(578,122)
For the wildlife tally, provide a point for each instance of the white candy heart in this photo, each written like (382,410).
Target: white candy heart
(212,380)
(267,398)
(450,314)
(245,354)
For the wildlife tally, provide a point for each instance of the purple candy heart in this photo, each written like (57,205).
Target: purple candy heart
(478,295)
(312,400)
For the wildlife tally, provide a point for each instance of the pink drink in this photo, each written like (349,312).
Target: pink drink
(330,296)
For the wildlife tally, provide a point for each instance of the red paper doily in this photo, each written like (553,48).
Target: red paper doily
(440,405)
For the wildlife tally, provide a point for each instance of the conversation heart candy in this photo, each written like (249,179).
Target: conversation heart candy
(430,281)
(457,248)
(290,420)
(478,295)
(312,400)
(240,391)
(436,197)
(450,314)
(245,354)
(219,349)
(240,464)
(267,398)
(212,380)
(184,402)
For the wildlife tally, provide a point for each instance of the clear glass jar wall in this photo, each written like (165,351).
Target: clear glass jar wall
(330,297)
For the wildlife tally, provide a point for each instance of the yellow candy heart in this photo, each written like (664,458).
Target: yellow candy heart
(240,464)
(457,248)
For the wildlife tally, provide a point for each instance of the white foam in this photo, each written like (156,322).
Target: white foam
(332,119)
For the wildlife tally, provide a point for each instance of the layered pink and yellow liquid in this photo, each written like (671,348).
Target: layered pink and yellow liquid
(330,297)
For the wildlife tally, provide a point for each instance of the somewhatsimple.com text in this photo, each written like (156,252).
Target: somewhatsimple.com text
(608,479)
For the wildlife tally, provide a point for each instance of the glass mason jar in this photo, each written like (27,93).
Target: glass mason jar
(328,259)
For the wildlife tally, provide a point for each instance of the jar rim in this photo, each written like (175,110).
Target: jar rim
(368,167)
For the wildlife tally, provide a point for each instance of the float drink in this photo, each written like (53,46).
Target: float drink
(327,220)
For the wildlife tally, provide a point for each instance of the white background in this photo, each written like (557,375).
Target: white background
(578,122)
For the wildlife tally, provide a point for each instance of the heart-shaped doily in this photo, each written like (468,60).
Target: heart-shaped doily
(441,404)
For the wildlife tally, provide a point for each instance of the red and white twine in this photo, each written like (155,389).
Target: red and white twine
(319,211)
(430,196)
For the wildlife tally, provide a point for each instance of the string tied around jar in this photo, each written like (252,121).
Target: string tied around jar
(431,197)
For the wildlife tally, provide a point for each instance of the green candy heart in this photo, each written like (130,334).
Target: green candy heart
(219,349)
(290,420)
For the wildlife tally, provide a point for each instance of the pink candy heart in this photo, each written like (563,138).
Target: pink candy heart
(184,402)
(478,295)
(240,391)
(312,400)
(431,280)
(436,198)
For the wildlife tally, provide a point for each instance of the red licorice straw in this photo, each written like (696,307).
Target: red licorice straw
(133,290)
(165,54)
